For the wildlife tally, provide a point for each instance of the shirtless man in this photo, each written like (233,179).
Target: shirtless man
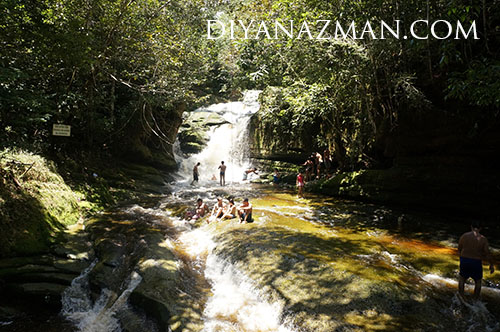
(245,212)
(222,168)
(319,164)
(201,209)
(196,173)
(472,248)
(248,171)
(309,164)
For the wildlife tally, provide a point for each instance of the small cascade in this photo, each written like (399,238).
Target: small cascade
(235,304)
(98,316)
(76,298)
(474,315)
(228,142)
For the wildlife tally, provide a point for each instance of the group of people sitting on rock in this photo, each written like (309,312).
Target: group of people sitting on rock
(318,165)
(221,211)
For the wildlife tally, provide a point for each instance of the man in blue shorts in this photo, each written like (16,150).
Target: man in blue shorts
(472,248)
(222,168)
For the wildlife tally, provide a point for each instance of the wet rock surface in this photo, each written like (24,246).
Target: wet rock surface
(193,133)
(31,287)
(335,268)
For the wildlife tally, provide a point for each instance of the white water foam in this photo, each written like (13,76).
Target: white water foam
(197,243)
(236,303)
(452,283)
(77,305)
(475,315)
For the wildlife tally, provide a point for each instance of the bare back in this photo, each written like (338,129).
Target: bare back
(473,245)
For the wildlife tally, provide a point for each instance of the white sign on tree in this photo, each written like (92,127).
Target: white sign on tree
(61,130)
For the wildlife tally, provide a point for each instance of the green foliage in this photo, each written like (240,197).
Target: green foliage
(479,84)
(352,93)
(121,72)
(112,69)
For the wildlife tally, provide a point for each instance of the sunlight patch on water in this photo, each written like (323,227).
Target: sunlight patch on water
(439,281)
(197,243)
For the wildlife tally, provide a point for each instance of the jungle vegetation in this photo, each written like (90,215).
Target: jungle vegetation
(121,72)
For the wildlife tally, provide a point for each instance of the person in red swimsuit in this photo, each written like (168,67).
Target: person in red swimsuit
(300,184)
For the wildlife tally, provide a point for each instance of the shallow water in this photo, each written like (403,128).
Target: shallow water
(327,264)
(305,264)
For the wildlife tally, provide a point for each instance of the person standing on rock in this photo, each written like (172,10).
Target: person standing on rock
(196,173)
(473,248)
(222,168)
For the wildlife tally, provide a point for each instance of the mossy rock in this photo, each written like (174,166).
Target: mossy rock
(155,308)
(50,293)
(193,133)
(36,205)
(192,147)
(205,119)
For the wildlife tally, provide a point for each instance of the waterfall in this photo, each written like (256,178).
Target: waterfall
(235,303)
(98,316)
(228,142)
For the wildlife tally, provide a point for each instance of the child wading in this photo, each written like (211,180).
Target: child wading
(300,184)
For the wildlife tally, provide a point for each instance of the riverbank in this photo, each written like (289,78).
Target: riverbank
(445,190)
(411,184)
(40,197)
(47,209)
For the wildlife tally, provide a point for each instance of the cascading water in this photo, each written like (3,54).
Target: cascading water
(98,316)
(228,142)
(235,304)
(329,265)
